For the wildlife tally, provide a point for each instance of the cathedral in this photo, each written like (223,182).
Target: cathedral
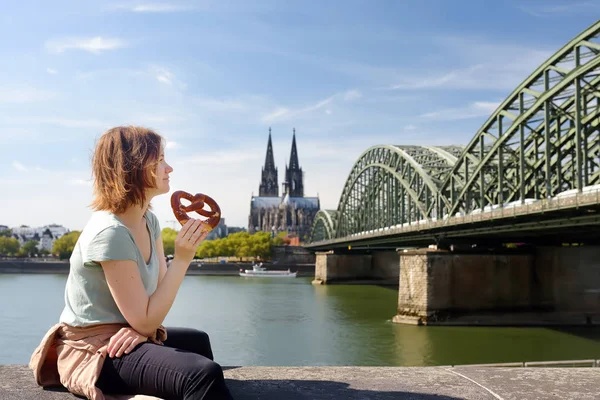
(291,212)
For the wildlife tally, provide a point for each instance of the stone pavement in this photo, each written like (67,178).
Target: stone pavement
(377,383)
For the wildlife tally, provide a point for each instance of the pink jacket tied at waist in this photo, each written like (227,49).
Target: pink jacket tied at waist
(73,356)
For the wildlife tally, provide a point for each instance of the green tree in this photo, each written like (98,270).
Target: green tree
(64,245)
(168,238)
(30,248)
(9,246)
(6,232)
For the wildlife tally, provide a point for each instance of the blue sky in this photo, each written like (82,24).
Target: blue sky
(213,76)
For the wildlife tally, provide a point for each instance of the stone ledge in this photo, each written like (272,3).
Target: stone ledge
(377,383)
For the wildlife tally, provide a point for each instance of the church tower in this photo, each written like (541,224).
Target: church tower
(294,184)
(268,184)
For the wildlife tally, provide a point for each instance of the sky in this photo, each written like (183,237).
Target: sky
(213,76)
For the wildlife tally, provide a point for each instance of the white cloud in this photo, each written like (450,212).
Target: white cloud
(94,45)
(352,95)
(155,7)
(473,110)
(51,71)
(81,182)
(410,128)
(485,65)
(25,95)
(560,9)
(172,145)
(284,113)
(164,76)
(18,166)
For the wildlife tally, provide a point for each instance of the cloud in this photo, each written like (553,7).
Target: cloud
(560,9)
(172,145)
(51,71)
(473,110)
(154,7)
(164,76)
(486,66)
(94,45)
(18,166)
(284,113)
(25,95)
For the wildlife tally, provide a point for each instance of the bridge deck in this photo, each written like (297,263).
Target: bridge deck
(377,383)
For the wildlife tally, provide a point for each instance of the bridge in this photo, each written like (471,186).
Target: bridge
(487,222)
(529,172)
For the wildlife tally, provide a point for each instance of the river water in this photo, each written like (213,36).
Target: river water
(293,323)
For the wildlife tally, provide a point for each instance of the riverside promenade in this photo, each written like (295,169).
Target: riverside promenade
(376,383)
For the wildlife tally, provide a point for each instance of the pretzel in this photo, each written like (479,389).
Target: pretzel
(197,204)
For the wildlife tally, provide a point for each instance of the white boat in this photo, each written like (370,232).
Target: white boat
(258,271)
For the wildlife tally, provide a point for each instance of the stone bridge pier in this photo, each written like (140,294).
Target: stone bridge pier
(544,286)
(549,285)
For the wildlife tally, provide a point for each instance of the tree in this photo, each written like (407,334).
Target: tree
(6,232)
(30,248)
(64,245)
(9,246)
(168,237)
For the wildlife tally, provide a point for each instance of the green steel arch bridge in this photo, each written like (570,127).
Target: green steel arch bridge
(530,173)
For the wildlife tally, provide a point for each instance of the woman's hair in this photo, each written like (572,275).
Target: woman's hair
(123,166)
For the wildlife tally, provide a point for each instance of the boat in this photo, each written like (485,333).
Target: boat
(258,271)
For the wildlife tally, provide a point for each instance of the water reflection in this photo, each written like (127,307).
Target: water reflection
(291,322)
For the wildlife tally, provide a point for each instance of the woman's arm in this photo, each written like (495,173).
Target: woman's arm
(146,313)
(162,262)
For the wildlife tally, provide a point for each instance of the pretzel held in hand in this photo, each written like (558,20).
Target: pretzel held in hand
(197,204)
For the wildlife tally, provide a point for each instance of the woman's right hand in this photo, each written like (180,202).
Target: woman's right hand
(193,232)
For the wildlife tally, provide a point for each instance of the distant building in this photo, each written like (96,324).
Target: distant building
(45,235)
(291,212)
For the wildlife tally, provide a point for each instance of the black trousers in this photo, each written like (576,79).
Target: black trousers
(183,368)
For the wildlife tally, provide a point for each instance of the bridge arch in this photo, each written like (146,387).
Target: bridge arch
(547,123)
(542,140)
(324,225)
(392,185)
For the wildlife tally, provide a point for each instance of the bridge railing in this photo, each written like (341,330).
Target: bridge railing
(563,201)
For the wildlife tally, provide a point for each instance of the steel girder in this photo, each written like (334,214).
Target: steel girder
(324,225)
(393,185)
(542,140)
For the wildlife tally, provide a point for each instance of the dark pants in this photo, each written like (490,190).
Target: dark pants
(181,369)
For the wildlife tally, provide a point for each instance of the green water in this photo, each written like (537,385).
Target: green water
(291,322)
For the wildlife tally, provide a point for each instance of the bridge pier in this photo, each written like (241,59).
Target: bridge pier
(381,266)
(549,285)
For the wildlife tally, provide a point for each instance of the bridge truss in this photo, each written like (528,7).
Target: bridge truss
(542,141)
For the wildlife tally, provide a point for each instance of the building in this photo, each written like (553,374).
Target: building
(45,235)
(291,212)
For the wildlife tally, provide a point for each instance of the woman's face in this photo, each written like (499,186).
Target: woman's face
(162,174)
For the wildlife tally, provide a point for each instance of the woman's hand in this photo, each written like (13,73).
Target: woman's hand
(124,341)
(189,237)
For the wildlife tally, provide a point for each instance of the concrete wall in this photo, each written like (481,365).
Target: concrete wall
(386,265)
(292,255)
(570,276)
(379,266)
(342,267)
(438,285)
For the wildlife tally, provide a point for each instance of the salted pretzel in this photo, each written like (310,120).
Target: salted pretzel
(197,204)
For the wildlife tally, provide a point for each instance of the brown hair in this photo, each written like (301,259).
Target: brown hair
(123,166)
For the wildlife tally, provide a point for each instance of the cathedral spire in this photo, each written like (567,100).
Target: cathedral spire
(293,173)
(294,164)
(269,159)
(268,184)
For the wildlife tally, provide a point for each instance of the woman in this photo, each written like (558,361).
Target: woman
(110,337)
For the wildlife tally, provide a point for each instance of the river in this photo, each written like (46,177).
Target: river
(293,323)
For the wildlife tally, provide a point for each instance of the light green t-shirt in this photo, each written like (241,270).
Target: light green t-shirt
(88,299)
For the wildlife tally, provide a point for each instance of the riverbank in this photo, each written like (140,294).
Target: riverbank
(377,383)
(196,268)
